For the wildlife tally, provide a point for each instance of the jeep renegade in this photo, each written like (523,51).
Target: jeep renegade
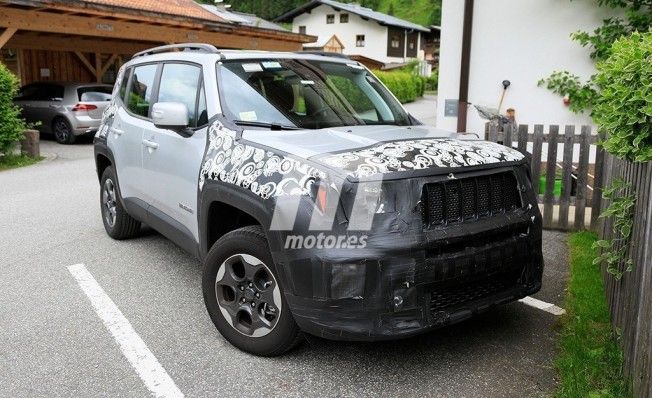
(314,201)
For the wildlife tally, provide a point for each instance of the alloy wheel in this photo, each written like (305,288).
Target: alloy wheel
(248,295)
(109,202)
(61,130)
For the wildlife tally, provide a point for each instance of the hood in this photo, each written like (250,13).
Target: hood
(362,151)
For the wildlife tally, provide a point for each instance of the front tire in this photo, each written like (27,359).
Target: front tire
(62,131)
(243,296)
(117,222)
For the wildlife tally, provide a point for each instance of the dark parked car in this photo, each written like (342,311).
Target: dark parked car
(65,110)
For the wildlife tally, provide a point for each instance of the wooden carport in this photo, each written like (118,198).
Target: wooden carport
(87,40)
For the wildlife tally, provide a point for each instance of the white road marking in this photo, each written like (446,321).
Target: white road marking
(542,305)
(156,379)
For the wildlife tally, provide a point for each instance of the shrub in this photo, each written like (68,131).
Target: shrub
(12,126)
(623,110)
(433,81)
(404,85)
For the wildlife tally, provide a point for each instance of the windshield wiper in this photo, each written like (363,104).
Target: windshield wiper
(271,126)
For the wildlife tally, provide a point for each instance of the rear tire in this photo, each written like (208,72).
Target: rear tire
(63,131)
(243,297)
(117,222)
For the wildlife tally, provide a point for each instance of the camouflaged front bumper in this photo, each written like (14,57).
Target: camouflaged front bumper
(412,277)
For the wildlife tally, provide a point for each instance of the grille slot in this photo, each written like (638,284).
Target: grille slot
(455,296)
(470,198)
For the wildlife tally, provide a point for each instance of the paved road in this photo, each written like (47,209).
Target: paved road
(52,343)
(424,109)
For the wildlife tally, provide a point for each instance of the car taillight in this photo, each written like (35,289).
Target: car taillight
(83,107)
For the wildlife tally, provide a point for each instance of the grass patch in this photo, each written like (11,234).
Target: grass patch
(13,161)
(590,360)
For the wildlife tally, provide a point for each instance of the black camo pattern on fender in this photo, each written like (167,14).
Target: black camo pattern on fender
(263,172)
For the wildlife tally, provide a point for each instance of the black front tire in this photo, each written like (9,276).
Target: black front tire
(63,132)
(248,241)
(117,222)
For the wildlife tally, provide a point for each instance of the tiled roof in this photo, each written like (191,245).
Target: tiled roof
(175,8)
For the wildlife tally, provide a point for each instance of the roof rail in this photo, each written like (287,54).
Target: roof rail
(324,53)
(199,47)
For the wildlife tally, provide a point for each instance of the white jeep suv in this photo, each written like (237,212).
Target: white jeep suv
(314,201)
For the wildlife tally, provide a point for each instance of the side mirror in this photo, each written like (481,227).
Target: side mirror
(170,115)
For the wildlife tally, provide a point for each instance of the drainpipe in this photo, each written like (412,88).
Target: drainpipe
(463,98)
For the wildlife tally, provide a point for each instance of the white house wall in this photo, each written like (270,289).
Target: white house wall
(521,41)
(375,34)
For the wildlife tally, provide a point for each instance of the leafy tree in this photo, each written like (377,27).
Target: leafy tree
(12,126)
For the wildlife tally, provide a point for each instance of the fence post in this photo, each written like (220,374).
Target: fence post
(551,172)
(567,179)
(582,176)
(536,155)
(522,137)
(598,184)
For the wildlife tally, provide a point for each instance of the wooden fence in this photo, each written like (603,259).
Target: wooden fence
(630,298)
(570,178)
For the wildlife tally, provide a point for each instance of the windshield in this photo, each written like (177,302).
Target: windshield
(305,94)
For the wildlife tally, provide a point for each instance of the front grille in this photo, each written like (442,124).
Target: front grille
(470,198)
(451,297)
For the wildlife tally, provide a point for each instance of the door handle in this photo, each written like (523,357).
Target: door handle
(116,131)
(150,144)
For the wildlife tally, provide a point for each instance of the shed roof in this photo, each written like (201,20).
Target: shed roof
(357,9)
(174,8)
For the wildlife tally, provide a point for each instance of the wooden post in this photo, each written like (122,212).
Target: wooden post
(551,172)
(582,177)
(30,144)
(598,184)
(536,155)
(98,67)
(522,137)
(566,179)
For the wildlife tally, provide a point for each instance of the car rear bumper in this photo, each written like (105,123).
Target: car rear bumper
(85,125)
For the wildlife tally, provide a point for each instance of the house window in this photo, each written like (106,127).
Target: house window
(411,45)
(302,30)
(330,18)
(344,18)
(359,40)
(396,43)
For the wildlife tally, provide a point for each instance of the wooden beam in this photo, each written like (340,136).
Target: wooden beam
(108,64)
(98,27)
(31,41)
(98,67)
(84,61)
(6,35)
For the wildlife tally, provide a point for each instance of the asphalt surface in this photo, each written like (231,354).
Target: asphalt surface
(424,109)
(52,342)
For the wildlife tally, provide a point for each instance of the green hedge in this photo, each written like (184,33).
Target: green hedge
(12,125)
(404,85)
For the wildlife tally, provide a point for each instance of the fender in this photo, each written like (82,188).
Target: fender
(232,195)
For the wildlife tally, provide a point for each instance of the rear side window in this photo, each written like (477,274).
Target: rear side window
(180,83)
(41,92)
(123,84)
(140,92)
(94,94)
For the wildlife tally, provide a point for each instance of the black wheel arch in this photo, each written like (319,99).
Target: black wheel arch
(244,208)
